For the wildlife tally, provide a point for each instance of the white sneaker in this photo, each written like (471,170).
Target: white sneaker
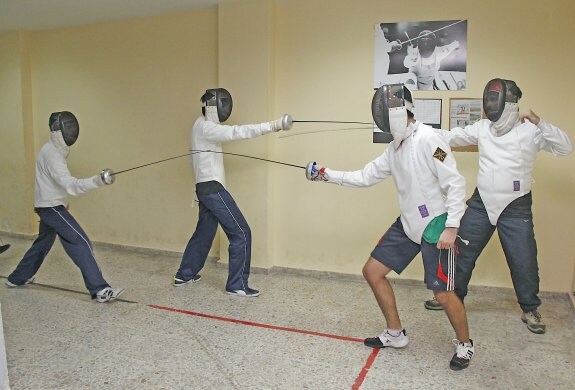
(387,340)
(108,294)
(10,284)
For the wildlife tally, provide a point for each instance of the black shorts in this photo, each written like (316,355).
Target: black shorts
(395,250)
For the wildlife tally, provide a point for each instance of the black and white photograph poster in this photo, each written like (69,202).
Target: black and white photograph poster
(422,55)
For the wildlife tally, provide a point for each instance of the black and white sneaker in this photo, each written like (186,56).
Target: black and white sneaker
(462,356)
(181,282)
(246,292)
(108,294)
(387,340)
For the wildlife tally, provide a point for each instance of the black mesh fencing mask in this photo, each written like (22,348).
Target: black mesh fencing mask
(66,123)
(497,92)
(220,100)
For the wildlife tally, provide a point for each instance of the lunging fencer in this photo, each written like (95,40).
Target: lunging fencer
(431,195)
(216,204)
(53,183)
(508,143)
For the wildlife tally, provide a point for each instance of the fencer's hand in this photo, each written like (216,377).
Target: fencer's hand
(411,51)
(315,172)
(395,45)
(107,176)
(532,117)
(447,238)
(283,123)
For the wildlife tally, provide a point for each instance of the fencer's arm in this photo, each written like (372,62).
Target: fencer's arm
(60,173)
(553,139)
(372,173)
(451,181)
(461,136)
(216,132)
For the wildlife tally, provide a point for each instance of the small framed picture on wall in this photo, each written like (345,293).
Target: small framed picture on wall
(464,112)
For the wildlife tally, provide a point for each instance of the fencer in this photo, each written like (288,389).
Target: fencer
(508,143)
(424,60)
(216,204)
(431,195)
(53,184)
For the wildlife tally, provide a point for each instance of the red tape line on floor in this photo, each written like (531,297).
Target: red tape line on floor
(358,381)
(361,377)
(267,326)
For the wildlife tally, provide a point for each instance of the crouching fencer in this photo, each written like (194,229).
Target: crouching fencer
(216,204)
(508,143)
(431,195)
(53,183)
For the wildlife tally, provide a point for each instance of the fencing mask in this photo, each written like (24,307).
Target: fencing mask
(426,42)
(66,123)
(389,108)
(217,104)
(500,104)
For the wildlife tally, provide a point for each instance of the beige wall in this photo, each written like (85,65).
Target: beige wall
(135,87)
(17,156)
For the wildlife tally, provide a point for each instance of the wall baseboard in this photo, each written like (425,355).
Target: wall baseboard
(329,275)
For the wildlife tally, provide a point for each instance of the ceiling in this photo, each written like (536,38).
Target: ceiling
(33,15)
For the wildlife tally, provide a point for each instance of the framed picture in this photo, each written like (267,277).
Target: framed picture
(424,55)
(464,112)
(428,111)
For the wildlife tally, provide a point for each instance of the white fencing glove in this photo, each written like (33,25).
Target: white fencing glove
(315,172)
(283,123)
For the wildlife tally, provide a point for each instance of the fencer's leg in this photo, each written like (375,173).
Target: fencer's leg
(34,257)
(239,234)
(455,311)
(375,274)
(198,247)
(77,245)
(474,233)
(240,250)
(516,233)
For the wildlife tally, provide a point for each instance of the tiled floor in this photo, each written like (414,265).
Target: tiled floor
(303,332)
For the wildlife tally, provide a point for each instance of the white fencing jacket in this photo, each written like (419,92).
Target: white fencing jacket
(506,162)
(425,174)
(53,179)
(207,135)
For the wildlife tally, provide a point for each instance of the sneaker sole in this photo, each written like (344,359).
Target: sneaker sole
(432,307)
(191,281)
(533,329)
(375,344)
(12,285)
(457,366)
(242,295)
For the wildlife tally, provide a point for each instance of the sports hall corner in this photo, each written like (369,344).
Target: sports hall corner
(134,84)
